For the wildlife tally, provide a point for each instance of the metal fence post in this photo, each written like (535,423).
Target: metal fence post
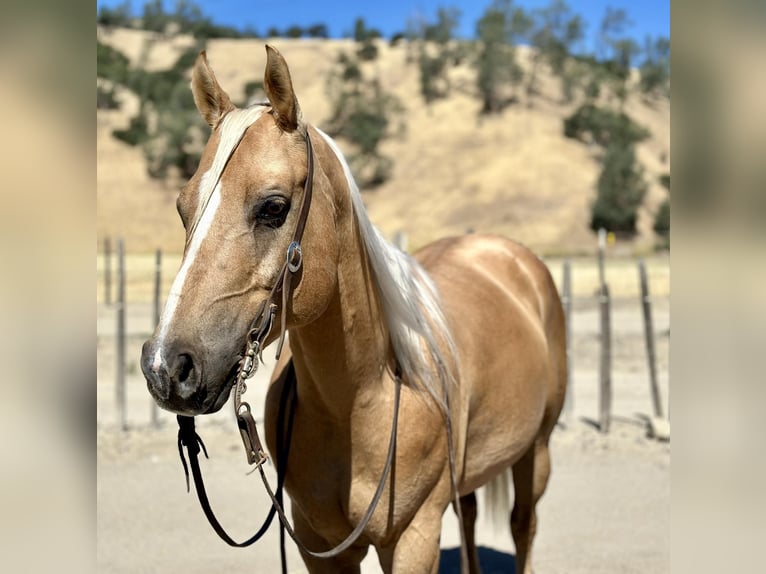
(120,386)
(605,398)
(107,271)
(649,332)
(605,370)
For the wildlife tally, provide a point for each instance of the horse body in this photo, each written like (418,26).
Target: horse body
(496,324)
(495,294)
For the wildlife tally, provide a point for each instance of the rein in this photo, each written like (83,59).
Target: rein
(258,333)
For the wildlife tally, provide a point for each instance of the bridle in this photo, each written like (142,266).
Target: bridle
(258,332)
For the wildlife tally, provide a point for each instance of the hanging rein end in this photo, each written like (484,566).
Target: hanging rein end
(188,437)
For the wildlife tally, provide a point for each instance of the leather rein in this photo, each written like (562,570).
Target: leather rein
(259,331)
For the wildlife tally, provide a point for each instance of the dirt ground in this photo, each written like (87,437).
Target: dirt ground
(606,510)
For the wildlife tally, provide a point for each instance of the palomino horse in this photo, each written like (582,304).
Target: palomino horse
(481,308)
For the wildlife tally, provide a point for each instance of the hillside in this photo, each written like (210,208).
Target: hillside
(514,174)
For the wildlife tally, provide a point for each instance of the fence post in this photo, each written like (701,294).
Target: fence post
(605,375)
(646,304)
(107,271)
(566,300)
(605,370)
(120,335)
(601,249)
(156,320)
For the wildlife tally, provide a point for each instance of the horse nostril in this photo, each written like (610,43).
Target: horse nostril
(184,367)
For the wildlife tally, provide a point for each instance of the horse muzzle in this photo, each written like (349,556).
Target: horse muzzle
(175,379)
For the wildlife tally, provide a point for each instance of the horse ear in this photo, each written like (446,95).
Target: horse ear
(279,90)
(212,102)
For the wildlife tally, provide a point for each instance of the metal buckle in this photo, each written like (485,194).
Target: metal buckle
(249,433)
(249,364)
(293,251)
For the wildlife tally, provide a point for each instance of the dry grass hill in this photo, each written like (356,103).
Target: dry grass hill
(515,174)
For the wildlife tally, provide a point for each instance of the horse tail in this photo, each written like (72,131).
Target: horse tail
(497,499)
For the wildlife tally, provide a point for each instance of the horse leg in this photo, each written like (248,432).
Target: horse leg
(346,563)
(530,477)
(417,549)
(469,511)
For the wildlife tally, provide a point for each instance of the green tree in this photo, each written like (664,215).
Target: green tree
(154,17)
(294,31)
(655,70)
(497,71)
(364,114)
(119,16)
(111,64)
(365,37)
(612,26)
(603,126)
(435,53)
(555,30)
(318,31)
(620,191)
(167,122)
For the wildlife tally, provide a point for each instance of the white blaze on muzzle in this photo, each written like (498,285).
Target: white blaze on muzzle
(232,130)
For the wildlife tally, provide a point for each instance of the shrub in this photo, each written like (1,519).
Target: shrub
(111,64)
(318,31)
(364,114)
(620,191)
(137,131)
(105,99)
(604,126)
(119,16)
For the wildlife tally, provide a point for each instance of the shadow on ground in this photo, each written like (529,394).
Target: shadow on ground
(491,561)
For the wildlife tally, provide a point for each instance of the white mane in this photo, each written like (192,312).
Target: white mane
(409,299)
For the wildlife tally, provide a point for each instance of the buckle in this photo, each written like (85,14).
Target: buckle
(249,433)
(294,257)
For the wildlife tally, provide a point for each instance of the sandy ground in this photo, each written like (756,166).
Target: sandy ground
(606,510)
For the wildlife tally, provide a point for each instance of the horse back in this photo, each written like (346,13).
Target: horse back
(508,325)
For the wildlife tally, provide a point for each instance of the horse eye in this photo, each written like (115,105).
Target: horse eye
(273,211)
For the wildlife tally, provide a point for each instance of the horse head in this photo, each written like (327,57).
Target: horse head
(240,210)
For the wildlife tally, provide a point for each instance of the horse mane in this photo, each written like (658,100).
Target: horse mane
(409,299)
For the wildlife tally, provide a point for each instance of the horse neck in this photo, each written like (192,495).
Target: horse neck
(343,354)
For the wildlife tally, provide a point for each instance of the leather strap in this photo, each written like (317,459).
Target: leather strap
(188,437)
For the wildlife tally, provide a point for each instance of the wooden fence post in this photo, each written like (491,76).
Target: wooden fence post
(156,319)
(605,370)
(120,335)
(107,271)
(605,400)
(566,300)
(601,250)
(649,332)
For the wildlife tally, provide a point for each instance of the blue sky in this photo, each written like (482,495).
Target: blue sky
(650,17)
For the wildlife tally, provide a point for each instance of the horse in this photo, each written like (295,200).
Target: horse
(470,329)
